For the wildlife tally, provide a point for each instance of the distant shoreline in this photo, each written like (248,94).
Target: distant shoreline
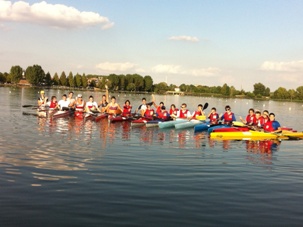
(145,92)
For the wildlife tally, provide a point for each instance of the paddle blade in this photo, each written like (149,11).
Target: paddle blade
(205,106)
(25,106)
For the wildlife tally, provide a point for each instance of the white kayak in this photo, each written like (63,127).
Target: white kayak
(171,124)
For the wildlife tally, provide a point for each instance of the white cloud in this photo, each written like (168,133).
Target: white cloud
(54,15)
(111,66)
(184,38)
(177,69)
(291,66)
(210,71)
(172,69)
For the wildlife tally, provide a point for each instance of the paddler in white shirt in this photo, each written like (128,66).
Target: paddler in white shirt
(91,106)
(64,103)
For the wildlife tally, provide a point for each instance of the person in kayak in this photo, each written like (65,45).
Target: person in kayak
(53,104)
(228,117)
(182,113)
(272,125)
(149,112)
(127,109)
(113,107)
(42,99)
(143,106)
(64,103)
(198,112)
(173,110)
(79,104)
(164,115)
(250,119)
(91,106)
(213,116)
(71,100)
(104,101)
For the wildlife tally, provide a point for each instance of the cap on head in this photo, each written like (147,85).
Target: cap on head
(42,92)
(79,96)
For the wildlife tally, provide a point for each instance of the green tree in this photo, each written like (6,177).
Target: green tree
(161,87)
(16,73)
(56,79)
(48,79)
(35,75)
(300,92)
(122,82)
(148,83)
(84,81)
(131,87)
(63,79)
(78,80)
(115,82)
(71,79)
(281,93)
(2,78)
(225,90)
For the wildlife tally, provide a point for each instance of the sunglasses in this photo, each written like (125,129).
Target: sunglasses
(227,109)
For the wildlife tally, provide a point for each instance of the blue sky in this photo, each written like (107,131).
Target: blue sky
(193,42)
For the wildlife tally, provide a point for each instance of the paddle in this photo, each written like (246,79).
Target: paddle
(25,106)
(205,106)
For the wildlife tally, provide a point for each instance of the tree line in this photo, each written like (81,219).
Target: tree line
(36,76)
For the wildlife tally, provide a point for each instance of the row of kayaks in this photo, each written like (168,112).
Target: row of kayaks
(220,131)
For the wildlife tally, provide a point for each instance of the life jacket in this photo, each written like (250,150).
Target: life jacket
(79,107)
(52,105)
(251,119)
(149,113)
(164,115)
(175,111)
(197,113)
(183,114)
(127,109)
(228,118)
(268,126)
(214,117)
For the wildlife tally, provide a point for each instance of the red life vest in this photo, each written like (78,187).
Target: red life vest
(197,113)
(175,111)
(52,104)
(165,115)
(80,107)
(251,119)
(183,114)
(268,127)
(149,113)
(214,117)
(127,109)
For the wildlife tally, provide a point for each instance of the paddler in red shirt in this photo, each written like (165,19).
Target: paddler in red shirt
(213,116)
(198,112)
(183,112)
(228,117)
(250,118)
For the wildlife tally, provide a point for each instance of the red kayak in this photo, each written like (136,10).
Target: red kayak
(232,129)
(101,116)
(119,118)
(140,122)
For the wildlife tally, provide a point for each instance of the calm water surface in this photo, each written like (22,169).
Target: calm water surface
(68,172)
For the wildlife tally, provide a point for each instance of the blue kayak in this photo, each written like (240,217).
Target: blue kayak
(208,127)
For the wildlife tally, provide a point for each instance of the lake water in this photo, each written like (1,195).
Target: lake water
(68,172)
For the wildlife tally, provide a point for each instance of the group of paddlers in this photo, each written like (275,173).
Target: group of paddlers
(255,119)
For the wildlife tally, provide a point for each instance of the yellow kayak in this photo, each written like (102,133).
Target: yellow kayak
(249,135)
